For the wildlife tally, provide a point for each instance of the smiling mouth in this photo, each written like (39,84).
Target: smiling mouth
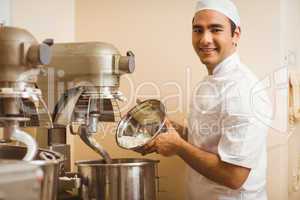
(207,50)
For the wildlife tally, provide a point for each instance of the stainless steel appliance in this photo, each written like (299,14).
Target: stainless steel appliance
(21,58)
(123,179)
(21,105)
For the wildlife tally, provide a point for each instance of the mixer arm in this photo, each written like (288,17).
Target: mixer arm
(64,108)
(32,147)
(88,139)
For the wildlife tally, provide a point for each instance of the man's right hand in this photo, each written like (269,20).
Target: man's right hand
(182,130)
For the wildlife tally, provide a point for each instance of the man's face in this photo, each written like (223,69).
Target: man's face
(212,37)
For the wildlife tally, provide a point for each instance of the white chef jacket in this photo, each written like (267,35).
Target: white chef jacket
(223,121)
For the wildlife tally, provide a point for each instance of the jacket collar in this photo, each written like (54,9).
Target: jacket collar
(229,63)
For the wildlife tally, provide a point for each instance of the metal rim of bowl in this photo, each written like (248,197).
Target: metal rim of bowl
(140,162)
(20,164)
(128,117)
(60,157)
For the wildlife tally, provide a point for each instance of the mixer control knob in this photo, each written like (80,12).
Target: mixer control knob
(39,54)
(127,63)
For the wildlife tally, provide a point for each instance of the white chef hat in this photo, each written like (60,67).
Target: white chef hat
(226,7)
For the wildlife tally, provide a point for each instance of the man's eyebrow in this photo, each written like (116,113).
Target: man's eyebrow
(197,26)
(216,26)
(210,26)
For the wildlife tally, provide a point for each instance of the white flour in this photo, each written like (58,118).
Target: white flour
(131,141)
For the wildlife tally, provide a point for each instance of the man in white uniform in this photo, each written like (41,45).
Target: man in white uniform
(226,146)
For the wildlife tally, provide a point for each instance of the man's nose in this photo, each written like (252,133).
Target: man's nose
(206,38)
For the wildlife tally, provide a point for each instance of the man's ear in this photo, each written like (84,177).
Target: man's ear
(237,34)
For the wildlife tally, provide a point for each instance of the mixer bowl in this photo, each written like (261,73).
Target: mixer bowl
(49,161)
(123,179)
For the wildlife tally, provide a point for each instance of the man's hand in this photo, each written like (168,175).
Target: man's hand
(167,143)
(181,129)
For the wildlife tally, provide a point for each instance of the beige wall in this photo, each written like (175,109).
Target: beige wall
(44,18)
(260,41)
(290,23)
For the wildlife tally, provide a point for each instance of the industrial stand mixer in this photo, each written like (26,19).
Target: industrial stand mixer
(94,69)
(21,105)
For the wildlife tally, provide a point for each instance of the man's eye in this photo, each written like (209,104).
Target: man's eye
(215,30)
(197,30)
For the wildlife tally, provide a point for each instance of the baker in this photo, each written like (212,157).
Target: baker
(225,149)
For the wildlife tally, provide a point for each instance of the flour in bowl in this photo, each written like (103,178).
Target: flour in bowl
(134,141)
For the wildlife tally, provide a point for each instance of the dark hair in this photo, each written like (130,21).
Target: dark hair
(232,25)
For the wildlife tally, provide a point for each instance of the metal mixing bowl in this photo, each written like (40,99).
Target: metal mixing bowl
(123,179)
(141,124)
(49,161)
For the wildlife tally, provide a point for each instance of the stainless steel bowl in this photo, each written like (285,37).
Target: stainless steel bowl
(19,180)
(49,161)
(141,124)
(123,179)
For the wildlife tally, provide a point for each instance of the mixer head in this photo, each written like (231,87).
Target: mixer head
(21,59)
(95,69)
